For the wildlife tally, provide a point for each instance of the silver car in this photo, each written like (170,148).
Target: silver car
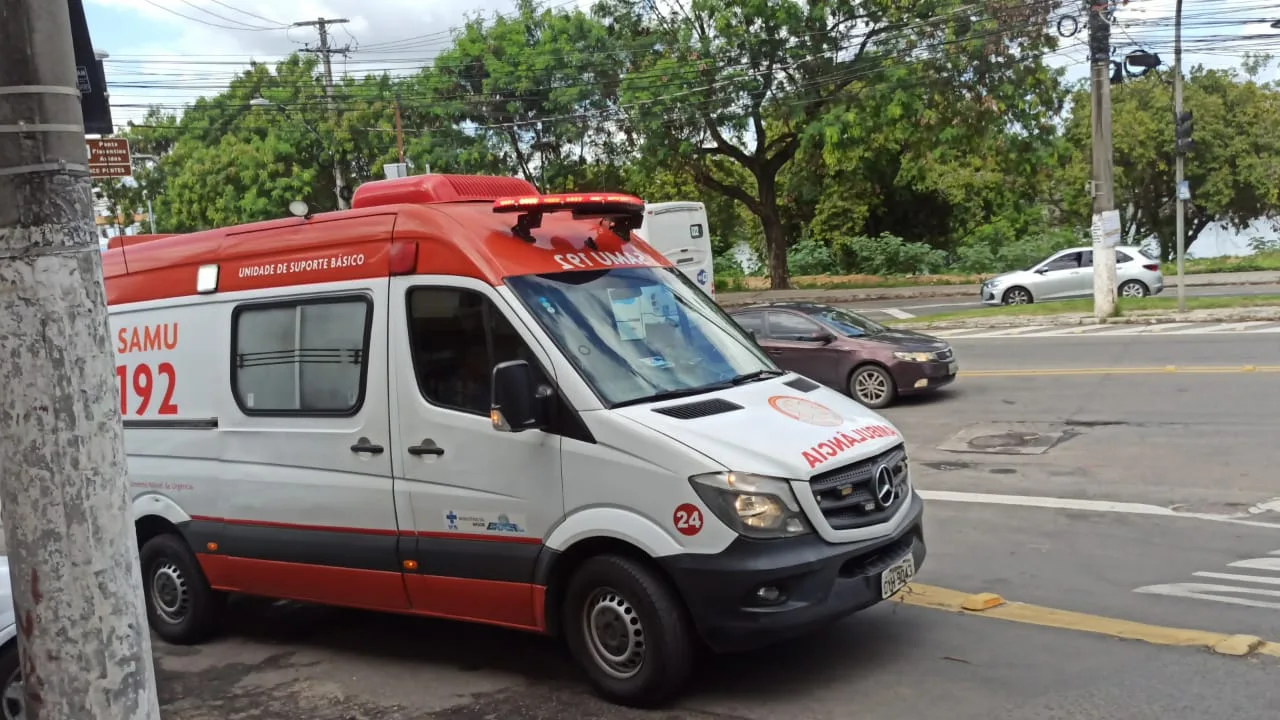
(1069,274)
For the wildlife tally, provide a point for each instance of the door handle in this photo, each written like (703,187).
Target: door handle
(426,447)
(364,445)
(774,352)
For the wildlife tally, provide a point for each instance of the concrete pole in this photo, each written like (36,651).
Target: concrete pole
(1104,195)
(82,631)
(1180,161)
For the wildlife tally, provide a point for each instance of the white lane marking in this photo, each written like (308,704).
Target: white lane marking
(1104,506)
(1259,579)
(1205,591)
(895,312)
(1268,564)
(1237,327)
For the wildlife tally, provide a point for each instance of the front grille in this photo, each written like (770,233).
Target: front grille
(945,355)
(847,495)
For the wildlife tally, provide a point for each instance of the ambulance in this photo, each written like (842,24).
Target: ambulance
(678,230)
(462,399)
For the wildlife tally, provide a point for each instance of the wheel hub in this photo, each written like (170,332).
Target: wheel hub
(614,634)
(12,701)
(871,386)
(169,593)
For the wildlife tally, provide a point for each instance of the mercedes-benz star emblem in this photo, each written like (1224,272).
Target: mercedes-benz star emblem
(886,490)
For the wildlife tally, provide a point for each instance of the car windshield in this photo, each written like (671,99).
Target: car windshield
(641,334)
(849,324)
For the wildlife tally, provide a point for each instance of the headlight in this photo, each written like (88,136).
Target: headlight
(914,356)
(753,505)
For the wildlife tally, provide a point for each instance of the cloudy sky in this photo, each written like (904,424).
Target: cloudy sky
(169,52)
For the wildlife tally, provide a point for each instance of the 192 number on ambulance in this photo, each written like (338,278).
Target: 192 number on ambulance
(142,381)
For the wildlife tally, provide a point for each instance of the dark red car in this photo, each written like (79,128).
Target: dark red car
(872,363)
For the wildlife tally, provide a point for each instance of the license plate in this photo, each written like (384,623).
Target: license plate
(953,367)
(897,577)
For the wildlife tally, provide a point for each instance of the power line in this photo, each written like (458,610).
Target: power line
(241,28)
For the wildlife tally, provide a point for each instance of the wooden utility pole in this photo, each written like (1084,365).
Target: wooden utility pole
(64,502)
(326,53)
(1104,195)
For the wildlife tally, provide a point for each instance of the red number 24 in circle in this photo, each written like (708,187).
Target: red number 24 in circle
(144,381)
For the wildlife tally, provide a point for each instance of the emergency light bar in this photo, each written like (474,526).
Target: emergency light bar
(626,211)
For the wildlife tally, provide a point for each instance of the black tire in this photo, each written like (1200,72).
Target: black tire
(12,702)
(1133,289)
(1017,295)
(651,613)
(181,607)
(873,386)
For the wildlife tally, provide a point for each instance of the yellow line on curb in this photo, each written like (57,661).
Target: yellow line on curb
(1164,370)
(938,598)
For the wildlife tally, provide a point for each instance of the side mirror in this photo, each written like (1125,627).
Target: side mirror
(516,405)
(822,337)
(1041,270)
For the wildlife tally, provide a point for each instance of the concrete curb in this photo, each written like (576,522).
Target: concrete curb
(916,292)
(1141,317)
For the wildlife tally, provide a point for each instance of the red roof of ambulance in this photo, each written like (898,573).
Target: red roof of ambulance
(439,223)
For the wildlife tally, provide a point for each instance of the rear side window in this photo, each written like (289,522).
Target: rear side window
(1123,257)
(300,358)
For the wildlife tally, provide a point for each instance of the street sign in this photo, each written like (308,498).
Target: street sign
(1184,191)
(109,158)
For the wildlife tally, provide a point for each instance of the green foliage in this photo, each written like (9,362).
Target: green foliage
(810,257)
(887,254)
(992,249)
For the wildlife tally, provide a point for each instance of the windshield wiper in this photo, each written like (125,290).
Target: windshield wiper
(674,394)
(756,375)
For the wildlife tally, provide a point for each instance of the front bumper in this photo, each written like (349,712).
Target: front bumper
(822,582)
(914,377)
(989,295)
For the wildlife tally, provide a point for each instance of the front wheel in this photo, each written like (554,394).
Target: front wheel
(13,702)
(628,631)
(1134,289)
(181,606)
(872,386)
(1017,296)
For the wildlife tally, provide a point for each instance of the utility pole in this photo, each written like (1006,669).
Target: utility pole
(64,499)
(326,53)
(1104,195)
(1182,131)
(400,130)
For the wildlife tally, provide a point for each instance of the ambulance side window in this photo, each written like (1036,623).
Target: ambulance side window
(457,337)
(300,358)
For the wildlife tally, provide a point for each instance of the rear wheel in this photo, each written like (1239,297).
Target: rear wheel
(628,630)
(13,702)
(872,386)
(181,606)
(1134,289)
(1017,296)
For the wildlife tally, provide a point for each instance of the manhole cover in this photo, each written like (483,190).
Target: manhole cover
(1005,438)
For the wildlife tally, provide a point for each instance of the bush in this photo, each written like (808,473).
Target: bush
(989,252)
(810,257)
(887,255)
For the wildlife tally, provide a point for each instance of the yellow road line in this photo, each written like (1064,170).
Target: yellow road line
(1162,370)
(993,606)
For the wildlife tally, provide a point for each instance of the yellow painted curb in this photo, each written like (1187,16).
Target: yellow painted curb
(938,598)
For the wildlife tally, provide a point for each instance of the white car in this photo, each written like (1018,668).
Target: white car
(1069,274)
(12,700)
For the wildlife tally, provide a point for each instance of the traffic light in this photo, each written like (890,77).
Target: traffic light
(1183,125)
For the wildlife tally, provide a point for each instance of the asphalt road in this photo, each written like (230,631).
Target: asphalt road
(1198,447)
(924,307)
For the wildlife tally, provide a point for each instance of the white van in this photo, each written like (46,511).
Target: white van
(464,400)
(679,231)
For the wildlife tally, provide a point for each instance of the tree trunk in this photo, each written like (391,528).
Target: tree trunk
(775,234)
(64,502)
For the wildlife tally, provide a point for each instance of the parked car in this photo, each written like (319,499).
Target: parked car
(841,349)
(12,701)
(1069,274)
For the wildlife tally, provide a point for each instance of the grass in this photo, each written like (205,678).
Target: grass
(1124,306)
(1208,266)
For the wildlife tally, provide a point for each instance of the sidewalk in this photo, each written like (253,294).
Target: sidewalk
(737,299)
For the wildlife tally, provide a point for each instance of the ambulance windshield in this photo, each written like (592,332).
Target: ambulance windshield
(641,333)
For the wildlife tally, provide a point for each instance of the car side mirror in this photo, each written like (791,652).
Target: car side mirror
(517,400)
(1041,270)
(822,337)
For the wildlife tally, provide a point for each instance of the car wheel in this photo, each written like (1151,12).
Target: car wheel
(181,606)
(872,386)
(1017,296)
(628,631)
(13,702)
(1134,289)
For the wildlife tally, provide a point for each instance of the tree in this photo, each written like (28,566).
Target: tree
(732,91)
(1232,171)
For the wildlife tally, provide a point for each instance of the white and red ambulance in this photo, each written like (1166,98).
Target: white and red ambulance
(463,399)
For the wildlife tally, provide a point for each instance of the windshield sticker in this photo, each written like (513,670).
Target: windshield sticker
(837,445)
(657,361)
(602,259)
(806,411)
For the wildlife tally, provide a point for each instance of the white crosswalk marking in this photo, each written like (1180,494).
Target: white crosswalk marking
(1045,331)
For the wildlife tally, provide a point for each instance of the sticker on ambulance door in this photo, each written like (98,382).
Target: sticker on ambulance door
(806,411)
